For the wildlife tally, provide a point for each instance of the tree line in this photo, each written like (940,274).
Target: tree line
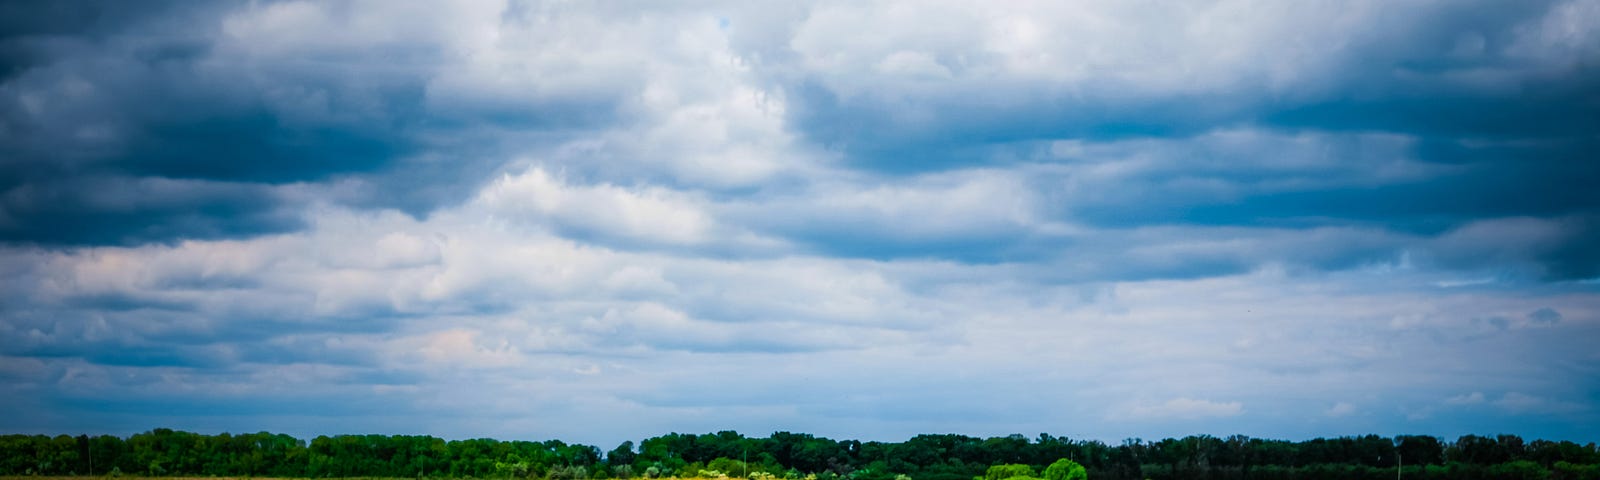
(165,452)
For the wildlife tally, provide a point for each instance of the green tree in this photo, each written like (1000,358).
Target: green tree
(622,455)
(1010,470)
(1065,469)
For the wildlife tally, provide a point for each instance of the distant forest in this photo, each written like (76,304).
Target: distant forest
(783,455)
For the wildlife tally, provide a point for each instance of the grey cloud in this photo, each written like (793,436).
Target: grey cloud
(1545,315)
(156,323)
(1561,248)
(320,403)
(134,210)
(118,112)
(902,124)
(825,208)
(1474,181)
(122,97)
(1493,108)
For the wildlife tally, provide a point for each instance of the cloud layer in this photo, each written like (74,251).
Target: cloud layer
(602,221)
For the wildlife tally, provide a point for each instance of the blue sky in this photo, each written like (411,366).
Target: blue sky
(600,221)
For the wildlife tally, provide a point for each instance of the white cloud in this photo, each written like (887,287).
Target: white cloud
(1341,409)
(1522,403)
(460,348)
(1182,408)
(690,109)
(941,207)
(657,93)
(1106,48)
(300,27)
(1563,38)
(645,215)
(505,312)
(1473,398)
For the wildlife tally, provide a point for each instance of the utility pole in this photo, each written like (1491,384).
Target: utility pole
(1399,460)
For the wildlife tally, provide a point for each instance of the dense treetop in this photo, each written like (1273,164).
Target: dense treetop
(164,452)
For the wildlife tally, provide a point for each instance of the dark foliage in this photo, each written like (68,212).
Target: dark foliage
(164,452)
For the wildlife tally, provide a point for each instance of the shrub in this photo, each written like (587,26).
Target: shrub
(1571,471)
(1065,469)
(1004,472)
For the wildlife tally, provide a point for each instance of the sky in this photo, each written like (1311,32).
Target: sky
(605,221)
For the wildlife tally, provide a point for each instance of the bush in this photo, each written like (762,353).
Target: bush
(1065,469)
(1572,471)
(568,473)
(728,466)
(1004,472)
(1519,470)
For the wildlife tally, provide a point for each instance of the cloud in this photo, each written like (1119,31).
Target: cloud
(127,105)
(1184,408)
(1084,70)
(650,215)
(1556,248)
(1522,403)
(504,217)
(962,214)
(674,98)
(386,301)
(1473,398)
(130,211)
(1544,315)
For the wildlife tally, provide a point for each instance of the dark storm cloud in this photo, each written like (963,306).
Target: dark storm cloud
(1483,182)
(1528,152)
(876,134)
(224,323)
(1534,106)
(189,336)
(26,20)
(1502,110)
(120,96)
(1378,79)
(1561,248)
(119,209)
